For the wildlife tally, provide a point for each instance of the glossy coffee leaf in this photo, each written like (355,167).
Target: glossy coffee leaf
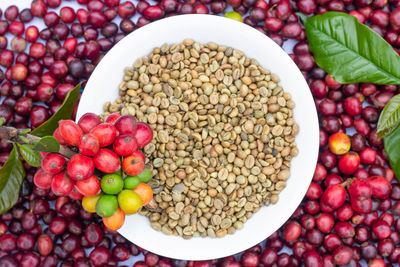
(392,149)
(47,144)
(11,176)
(350,51)
(32,157)
(63,113)
(390,117)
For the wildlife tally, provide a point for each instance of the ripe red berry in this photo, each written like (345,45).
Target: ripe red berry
(314,191)
(111,3)
(267,258)
(377,263)
(360,189)
(380,187)
(125,145)
(112,118)
(62,184)
(333,197)
(139,153)
(99,256)
(38,8)
(53,163)
(88,187)
(319,173)
(62,90)
(70,44)
(16,28)
(126,10)
(283,9)
(361,206)
(44,92)
(37,50)
(67,14)
(8,243)
(71,132)
(292,231)
(312,258)
(143,134)
(349,163)
(75,194)
(82,16)
(105,133)
(88,121)
(344,229)
(332,84)
(395,17)
(18,72)
(325,222)
(107,161)
(31,34)
(126,124)
(345,212)
(352,106)
(368,155)
(44,245)
(80,167)
(59,69)
(89,145)
(342,255)
(42,179)
(57,135)
(332,241)
(381,229)
(134,164)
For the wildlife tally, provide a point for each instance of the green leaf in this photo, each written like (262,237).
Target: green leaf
(63,113)
(11,176)
(392,149)
(302,17)
(47,144)
(350,51)
(2,121)
(390,117)
(32,157)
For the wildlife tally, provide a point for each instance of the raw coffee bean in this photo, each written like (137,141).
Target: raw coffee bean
(194,115)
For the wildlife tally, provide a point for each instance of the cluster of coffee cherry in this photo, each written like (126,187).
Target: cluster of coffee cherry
(94,174)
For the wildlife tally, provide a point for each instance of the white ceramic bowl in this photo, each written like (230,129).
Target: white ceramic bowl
(103,86)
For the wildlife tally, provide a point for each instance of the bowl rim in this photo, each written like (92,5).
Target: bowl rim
(312,154)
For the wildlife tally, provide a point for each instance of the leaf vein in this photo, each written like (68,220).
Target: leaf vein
(357,53)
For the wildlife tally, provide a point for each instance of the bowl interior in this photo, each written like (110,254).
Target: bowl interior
(103,86)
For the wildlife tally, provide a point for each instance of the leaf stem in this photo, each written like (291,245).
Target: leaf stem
(12,134)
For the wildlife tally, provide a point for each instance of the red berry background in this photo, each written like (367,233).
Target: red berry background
(48,46)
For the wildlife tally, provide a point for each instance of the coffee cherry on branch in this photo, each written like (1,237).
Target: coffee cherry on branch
(89,145)
(134,164)
(80,167)
(89,186)
(43,179)
(53,163)
(143,134)
(107,161)
(125,145)
(62,184)
(105,133)
(88,121)
(112,118)
(70,132)
(126,124)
